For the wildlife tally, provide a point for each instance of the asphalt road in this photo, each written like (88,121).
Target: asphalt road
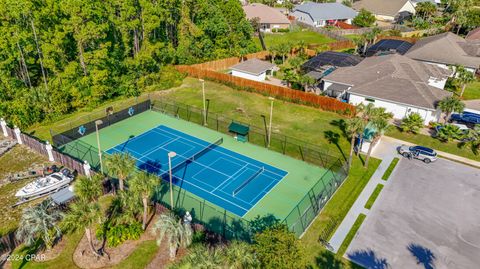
(427,216)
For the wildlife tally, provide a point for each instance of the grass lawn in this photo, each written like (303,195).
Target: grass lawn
(472,91)
(141,257)
(332,215)
(351,234)
(310,37)
(18,159)
(390,168)
(352,36)
(298,121)
(428,141)
(374,196)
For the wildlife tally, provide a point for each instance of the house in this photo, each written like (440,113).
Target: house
(269,18)
(473,34)
(447,49)
(323,14)
(253,69)
(397,83)
(385,10)
(385,46)
(326,62)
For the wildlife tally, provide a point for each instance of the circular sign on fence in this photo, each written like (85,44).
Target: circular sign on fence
(131,111)
(82,130)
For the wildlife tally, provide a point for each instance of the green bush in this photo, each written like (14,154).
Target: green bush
(364,18)
(412,123)
(118,234)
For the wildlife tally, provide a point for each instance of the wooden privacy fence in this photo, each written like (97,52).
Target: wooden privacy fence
(223,64)
(323,102)
(408,39)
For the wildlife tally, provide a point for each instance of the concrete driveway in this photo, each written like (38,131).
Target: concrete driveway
(427,216)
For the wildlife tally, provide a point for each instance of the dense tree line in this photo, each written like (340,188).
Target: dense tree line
(57,56)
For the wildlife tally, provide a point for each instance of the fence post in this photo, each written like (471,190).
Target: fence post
(3,123)
(17,132)
(49,148)
(86,168)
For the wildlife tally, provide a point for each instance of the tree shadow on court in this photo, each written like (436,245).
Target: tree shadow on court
(261,223)
(368,259)
(423,255)
(152,167)
(333,138)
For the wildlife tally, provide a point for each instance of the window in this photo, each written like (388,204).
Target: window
(370,100)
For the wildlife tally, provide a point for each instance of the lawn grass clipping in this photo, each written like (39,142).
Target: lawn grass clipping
(353,231)
(374,196)
(390,168)
(336,209)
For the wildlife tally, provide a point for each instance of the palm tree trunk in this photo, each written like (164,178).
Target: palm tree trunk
(463,89)
(40,56)
(88,234)
(145,211)
(173,252)
(370,148)
(352,147)
(120,181)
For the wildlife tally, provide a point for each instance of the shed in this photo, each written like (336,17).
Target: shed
(253,69)
(63,196)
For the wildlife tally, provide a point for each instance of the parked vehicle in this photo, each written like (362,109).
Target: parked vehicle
(467,118)
(427,155)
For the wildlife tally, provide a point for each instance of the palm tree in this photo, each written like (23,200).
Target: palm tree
(39,221)
(370,37)
(449,105)
(125,208)
(464,77)
(412,123)
(120,166)
(473,139)
(239,255)
(177,234)
(273,50)
(302,46)
(83,215)
(89,189)
(307,81)
(381,125)
(449,132)
(202,257)
(284,49)
(143,185)
(354,126)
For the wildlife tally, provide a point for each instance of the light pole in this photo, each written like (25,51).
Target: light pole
(99,122)
(271,116)
(171,154)
(204,103)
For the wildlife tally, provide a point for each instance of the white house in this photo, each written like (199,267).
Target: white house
(447,49)
(253,69)
(385,10)
(395,82)
(323,14)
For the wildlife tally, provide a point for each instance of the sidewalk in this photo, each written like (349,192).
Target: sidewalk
(385,150)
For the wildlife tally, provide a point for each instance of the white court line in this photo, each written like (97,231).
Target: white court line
(135,137)
(226,154)
(234,174)
(159,147)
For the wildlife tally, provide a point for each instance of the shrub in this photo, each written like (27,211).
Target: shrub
(364,18)
(118,234)
(412,123)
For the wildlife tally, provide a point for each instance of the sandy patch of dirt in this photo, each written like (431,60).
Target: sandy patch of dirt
(84,258)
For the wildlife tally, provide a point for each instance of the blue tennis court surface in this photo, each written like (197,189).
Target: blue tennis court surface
(228,179)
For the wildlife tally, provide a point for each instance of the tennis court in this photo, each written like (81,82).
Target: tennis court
(223,177)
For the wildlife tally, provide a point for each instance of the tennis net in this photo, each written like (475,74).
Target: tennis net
(198,154)
(239,188)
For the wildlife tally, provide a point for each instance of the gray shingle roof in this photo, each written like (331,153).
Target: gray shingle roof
(380,7)
(253,66)
(395,78)
(326,11)
(446,48)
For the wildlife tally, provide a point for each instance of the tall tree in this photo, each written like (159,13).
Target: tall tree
(449,105)
(89,189)
(120,166)
(84,215)
(463,76)
(354,127)
(143,185)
